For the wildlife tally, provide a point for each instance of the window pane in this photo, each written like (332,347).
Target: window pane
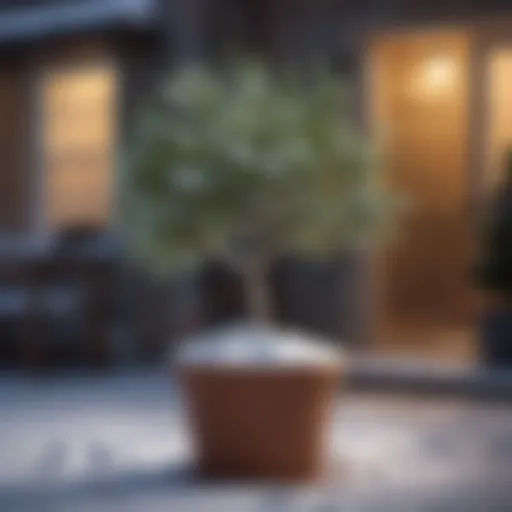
(79,128)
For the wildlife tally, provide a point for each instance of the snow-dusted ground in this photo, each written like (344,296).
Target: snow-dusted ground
(119,443)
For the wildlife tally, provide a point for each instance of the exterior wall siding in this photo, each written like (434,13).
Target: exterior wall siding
(14,151)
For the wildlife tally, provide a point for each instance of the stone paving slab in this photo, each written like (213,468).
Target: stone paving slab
(119,444)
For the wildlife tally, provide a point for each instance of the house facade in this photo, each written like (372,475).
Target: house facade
(72,71)
(433,87)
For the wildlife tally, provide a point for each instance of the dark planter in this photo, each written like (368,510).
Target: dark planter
(323,297)
(496,337)
(327,298)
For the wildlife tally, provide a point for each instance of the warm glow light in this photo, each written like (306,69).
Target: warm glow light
(439,73)
(434,76)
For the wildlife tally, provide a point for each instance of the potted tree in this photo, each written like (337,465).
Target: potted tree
(246,167)
(495,275)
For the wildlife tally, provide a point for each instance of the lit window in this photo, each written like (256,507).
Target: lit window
(79,141)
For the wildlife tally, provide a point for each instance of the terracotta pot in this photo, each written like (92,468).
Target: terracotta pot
(259,423)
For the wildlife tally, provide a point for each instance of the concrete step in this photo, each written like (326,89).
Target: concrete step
(378,373)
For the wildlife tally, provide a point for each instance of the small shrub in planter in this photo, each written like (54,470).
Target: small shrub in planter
(247,167)
(495,276)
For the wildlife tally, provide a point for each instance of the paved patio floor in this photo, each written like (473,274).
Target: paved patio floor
(119,443)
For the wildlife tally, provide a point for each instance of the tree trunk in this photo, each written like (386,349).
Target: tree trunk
(257,293)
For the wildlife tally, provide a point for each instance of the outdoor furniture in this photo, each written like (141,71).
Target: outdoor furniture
(83,268)
(14,308)
(60,299)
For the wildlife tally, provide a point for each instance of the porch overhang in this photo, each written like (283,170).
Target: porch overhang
(32,23)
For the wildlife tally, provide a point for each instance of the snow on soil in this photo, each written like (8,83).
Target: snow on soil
(245,345)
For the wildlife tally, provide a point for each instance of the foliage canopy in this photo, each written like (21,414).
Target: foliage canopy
(248,166)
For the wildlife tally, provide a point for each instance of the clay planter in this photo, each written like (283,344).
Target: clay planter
(260,422)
